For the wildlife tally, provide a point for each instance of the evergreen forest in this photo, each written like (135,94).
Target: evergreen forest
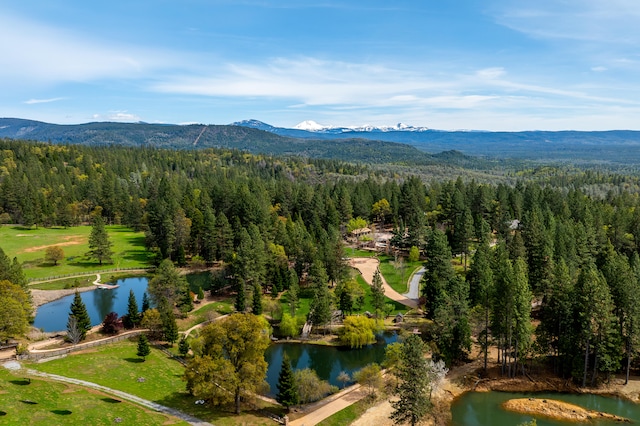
(539,264)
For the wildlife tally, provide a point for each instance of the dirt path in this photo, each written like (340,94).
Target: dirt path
(367,267)
(329,406)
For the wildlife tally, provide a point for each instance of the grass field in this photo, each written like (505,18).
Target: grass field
(397,275)
(29,246)
(201,314)
(43,402)
(83,281)
(117,366)
(347,415)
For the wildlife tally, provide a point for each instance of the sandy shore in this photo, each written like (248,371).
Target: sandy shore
(557,410)
(40,297)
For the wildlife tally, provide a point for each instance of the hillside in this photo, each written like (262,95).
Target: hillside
(212,136)
(615,146)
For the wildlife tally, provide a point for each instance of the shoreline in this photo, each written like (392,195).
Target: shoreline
(41,297)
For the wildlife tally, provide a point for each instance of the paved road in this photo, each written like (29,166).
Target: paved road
(145,403)
(327,407)
(414,284)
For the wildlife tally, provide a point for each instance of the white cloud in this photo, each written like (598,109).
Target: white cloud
(34,53)
(116,116)
(42,101)
(598,69)
(596,21)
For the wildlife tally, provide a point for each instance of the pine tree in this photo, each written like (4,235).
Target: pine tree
(170,327)
(453,336)
(287,390)
(414,387)
(145,302)
(257,299)
(79,311)
(183,347)
(99,244)
(377,293)
(200,293)
(594,311)
(292,294)
(241,300)
(133,315)
(143,347)
(320,306)
(480,279)
(438,270)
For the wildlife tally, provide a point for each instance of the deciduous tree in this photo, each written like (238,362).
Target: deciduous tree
(359,331)
(231,359)
(54,254)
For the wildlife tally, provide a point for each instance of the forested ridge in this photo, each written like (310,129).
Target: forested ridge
(558,246)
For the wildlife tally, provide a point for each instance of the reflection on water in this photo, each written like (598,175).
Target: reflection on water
(53,316)
(327,361)
(483,408)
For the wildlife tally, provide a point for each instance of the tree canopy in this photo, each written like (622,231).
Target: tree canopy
(229,359)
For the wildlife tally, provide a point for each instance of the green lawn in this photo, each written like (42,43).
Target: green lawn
(117,366)
(397,274)
(351,252)
(29,245)
(398,307)
(44,402)
(84,281)
(201,315)
(346,415)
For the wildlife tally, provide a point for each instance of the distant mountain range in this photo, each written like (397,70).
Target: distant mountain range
(400,143)
(615,146)
(197,136)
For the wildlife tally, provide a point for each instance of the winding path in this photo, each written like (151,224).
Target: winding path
(132,398)
(414,284)
(368,266)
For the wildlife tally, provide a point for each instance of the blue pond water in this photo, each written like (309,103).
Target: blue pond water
(327,361)
(483,408)
(53,316)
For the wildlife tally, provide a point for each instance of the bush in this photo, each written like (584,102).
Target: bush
(310,387)
(111,323)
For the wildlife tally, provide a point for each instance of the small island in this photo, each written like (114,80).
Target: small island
(558,410)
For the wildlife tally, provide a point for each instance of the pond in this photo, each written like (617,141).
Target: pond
(483,408)
(53,316)
(327,361)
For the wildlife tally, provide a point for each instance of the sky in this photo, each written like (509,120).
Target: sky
(462,64)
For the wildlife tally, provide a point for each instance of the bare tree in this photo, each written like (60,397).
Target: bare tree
(74,334)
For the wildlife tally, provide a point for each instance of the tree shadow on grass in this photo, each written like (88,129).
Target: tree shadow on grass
(187,404)
(3,413)
(28,402)
(137,256)
(111,400)
(22,382)
(62,412)
(134,360)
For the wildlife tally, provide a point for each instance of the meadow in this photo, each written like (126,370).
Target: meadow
(36,401)
(29,245)
(158,379)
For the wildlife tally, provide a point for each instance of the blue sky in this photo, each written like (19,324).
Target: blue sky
(462,64)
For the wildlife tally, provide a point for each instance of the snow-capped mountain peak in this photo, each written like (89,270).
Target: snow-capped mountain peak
(310,126)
